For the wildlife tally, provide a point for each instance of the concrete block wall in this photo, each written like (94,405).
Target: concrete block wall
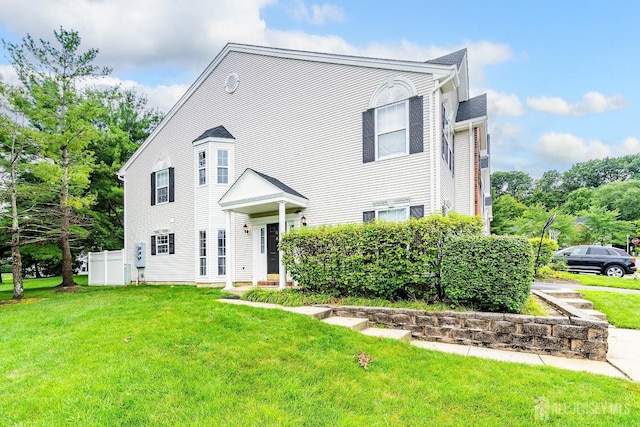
(554,335)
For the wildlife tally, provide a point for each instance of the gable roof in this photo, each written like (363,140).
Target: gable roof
(454,58)
(254,192)
(216,132)
(472,109)
(279,184)
(440,69)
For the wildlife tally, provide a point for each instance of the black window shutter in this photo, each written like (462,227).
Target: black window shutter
(368,136)
(171,185)
(416,212)
(153,188)
(153,245)
(416,124)
(172,243)
(368,216)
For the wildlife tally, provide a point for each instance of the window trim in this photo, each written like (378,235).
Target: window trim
(406,130)
(222,167)
(222,256)
(202,166)
(396,208)
(202,251)
(159,245)
(158,187)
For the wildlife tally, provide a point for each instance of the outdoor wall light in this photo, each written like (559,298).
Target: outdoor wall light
(246,228)
(303,221)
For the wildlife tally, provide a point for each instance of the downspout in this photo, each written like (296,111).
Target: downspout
(472,177)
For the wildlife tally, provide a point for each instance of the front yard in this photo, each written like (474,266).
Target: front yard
(175,356)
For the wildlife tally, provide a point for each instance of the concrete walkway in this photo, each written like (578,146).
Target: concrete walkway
(624,353)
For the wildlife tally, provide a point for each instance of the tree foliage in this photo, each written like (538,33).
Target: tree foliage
(61,122)
(518,184)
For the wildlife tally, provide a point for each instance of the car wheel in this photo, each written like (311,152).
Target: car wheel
(614,271)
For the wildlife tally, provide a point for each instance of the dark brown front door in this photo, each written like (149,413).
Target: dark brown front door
(273,260)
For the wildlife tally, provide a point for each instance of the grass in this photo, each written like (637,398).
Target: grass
(175,356)
(622,310)
(597,280)
(33,284)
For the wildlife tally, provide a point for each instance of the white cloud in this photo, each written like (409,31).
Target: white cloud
(566,149)
(502,104)
(320,13)
(8,75)
(592,103)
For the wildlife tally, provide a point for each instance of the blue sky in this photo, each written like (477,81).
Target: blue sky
(560,75)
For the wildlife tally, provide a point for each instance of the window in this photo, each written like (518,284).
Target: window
(391,130)
(447,138)
(262,239)
(163,244)
(203,253)
(223,167)
(393,215)
(222,252)
(162,186)
(202,167)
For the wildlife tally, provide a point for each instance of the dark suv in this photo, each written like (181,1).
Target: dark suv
(610,261)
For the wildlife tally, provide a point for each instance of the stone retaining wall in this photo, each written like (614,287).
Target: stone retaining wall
(553,335)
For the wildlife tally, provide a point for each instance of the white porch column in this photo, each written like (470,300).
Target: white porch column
(229,251)
(281,230)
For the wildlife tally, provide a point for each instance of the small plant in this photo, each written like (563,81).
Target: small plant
(363,359)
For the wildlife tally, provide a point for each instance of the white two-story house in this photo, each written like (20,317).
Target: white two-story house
(269,139)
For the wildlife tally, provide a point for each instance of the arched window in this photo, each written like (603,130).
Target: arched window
(162,181)
(393,124)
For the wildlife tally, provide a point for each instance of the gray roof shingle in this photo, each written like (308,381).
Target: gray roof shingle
(280,185)
(474,107)
(454,58)
(216,132)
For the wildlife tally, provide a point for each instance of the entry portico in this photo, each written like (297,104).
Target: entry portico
(264,199)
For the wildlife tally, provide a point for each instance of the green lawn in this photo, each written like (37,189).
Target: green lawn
(596,280)
(30,284)
(622,310)
(175,356)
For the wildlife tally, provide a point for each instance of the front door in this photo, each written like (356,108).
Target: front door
(273,259)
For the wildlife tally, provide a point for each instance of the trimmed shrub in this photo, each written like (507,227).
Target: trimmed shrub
(374,260)
(492,273)
(547,249)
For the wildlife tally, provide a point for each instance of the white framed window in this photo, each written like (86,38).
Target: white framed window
(202,168)
(222,252)
(263,233)
(447,138)
(392,135)
(223,166)
(162,186)
(203,252)
(162,244)
(393,215)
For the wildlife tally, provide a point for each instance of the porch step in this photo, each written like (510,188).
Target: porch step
(319,313)
(595,313)
(563,293)
(579,303)
(398,334)
(353,323)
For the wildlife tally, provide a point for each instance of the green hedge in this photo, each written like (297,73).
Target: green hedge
(548,248)
(492,273)
(374,260)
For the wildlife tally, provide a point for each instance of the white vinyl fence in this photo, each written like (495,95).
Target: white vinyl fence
(108,268)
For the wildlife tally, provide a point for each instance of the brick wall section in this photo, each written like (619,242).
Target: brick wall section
(552,335)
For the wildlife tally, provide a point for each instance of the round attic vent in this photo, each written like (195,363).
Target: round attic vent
(231,83)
